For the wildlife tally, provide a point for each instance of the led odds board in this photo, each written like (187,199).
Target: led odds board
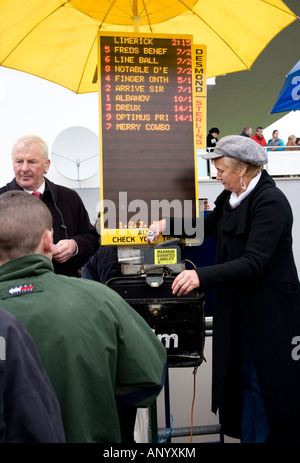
(152,111)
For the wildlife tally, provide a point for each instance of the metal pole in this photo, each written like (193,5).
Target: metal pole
(167,404)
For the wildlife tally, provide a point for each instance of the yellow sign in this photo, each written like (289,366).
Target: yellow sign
(125,236)
(199,95)
(164,256)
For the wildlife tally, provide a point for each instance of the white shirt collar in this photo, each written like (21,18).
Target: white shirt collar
(41,189)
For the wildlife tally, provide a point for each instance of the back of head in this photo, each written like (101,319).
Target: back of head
(24,219)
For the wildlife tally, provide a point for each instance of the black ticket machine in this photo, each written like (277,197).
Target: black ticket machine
(179,322)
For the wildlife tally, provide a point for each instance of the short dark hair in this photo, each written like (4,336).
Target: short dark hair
(24,218)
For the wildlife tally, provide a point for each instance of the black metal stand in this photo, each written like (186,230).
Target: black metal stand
(167,433)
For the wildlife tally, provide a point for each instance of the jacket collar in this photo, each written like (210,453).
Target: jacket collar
(13,186)
(50,188)
(26,266)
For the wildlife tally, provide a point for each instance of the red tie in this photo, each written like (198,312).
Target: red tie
(37,194)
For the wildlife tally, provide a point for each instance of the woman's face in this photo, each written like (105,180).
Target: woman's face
(230,179)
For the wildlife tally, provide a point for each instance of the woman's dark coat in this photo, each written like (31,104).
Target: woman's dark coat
(256,286)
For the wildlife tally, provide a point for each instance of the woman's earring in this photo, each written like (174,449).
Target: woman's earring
(243,184)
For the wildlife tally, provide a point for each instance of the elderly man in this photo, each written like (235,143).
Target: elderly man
(75,238)
(94,346)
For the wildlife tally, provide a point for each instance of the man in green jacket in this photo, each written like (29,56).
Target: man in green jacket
(94,346)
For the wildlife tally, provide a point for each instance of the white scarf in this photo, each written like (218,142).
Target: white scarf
(236,200)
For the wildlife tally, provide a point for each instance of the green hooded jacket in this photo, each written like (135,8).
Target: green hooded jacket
(94,346)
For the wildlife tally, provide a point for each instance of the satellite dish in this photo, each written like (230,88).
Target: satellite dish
(75,153)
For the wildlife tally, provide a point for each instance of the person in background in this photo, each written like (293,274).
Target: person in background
(212,138)
(247,132)
(275,142)
(95,348)
(291,143)
(211,141)
(259,137)
(256,314)
(29,408)
(75,238)
(297,142)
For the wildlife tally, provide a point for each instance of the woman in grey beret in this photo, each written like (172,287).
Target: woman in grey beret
(256,315)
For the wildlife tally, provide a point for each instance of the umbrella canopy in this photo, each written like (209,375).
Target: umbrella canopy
(289,97)
(57,40)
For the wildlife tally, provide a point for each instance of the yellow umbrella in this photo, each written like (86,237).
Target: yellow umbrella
(57,40)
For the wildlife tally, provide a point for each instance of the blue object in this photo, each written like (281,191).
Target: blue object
(289,97)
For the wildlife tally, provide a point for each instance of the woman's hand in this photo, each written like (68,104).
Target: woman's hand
(158,228)
(185,282)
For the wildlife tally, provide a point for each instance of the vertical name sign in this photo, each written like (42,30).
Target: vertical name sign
(199,94)
(147,148)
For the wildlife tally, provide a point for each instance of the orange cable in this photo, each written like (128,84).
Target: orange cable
(192,410)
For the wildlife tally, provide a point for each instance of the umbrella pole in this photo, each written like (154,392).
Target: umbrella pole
(136,24)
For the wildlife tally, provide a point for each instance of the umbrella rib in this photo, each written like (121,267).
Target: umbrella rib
(84,67)
(94,80)
(112,4)
(221,38)
(107,13)
(278,8)
(146,11)
(36,25)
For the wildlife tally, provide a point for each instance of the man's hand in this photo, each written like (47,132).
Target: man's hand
(64,250)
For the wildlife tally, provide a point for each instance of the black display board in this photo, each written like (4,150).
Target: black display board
(146,132)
